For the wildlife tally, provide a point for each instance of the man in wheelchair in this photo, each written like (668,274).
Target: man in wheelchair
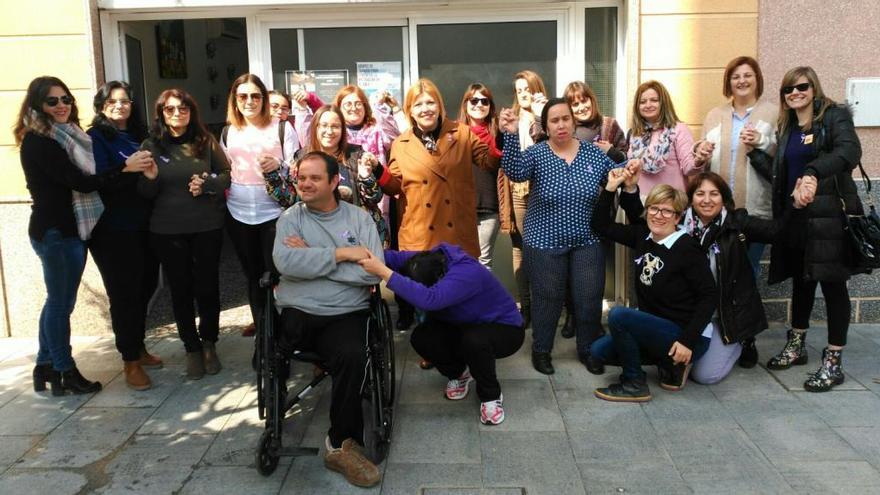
(472,320)
(324,299)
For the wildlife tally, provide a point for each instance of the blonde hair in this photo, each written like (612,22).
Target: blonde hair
(789,79)
(422,86)
(535,84)
(668,117)
(662,193)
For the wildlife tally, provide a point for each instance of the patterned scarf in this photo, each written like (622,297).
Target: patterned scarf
(87,207)
(653,157)
(705,233)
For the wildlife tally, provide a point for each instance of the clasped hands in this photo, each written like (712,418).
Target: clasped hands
(627,175)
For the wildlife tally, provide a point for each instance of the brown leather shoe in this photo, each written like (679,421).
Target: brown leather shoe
(135,376)
(351,462)
(212,362)
(148,360)
(249,331)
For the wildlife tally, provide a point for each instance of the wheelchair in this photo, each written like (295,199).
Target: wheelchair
(274,401)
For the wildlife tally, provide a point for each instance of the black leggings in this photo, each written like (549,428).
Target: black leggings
(837,304)
(253,246)
(453,347)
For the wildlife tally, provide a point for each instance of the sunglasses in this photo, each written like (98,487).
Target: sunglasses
(787,90)
(181,109)
(481,101)
(243,97)
(53,100)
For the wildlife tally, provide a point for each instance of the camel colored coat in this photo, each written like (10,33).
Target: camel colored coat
(437,198)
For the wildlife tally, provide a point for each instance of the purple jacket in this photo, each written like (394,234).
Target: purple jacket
(468,293)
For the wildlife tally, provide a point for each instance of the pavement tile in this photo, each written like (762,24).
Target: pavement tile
(825,477)
(418,427)
(418,386)
(233,480)
(747,384)
(797,437)
(844,408)
(14,447)
(30,482)
(14,380)
(37,413)
(118,394)
(154,464)
(472,491)
(86,436)
(529,405)
(695,404)
(651,477)
(200,406)
(866,441)
(308,476)
(537,461)
(409,479)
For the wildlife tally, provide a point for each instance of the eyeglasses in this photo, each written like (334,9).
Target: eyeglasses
(278,106)
(243,97)
(663,212)
(787,90)
(481,101)
(111,102)
(181,109)
(348,105)
(53,100)
(329,127)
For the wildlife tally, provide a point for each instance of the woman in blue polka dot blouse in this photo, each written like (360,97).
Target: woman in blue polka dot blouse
(566,176)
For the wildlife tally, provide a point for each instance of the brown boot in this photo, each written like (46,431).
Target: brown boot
(351,462)
(212,362)
(148,360)
(195,365)
(135,376)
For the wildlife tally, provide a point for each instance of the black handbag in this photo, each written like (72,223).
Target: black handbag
(863,231)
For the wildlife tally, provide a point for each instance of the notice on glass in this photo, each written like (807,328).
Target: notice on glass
(324,83)
(377,77)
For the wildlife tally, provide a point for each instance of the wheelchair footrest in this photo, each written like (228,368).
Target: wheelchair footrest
(299,451)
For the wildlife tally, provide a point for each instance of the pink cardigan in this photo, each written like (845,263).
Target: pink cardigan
(679,163)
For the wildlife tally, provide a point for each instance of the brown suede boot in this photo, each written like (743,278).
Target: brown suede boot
(212,361)
(148,360)
(135,376)
(195,365)
(349,460)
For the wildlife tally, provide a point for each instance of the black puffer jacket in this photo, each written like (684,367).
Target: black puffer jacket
(826,252)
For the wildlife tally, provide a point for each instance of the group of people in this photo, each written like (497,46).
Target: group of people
(338,197)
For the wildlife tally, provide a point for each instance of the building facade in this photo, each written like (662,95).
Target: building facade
(202,45)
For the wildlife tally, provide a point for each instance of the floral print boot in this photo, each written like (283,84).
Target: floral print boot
(794,352)
(828,375)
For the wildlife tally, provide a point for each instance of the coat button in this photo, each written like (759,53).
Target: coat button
(449,225)
(427,205)
(430,227)
(424,181)
(447,201)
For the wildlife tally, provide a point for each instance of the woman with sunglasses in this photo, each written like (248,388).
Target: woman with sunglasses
(258,148)
(120,243)
(187,181)
(357,183)
(529,99)
(658,138)
(59,170)
(479,113)
(817,142)
(560,248)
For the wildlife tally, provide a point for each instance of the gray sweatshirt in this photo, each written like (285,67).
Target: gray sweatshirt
(311,280)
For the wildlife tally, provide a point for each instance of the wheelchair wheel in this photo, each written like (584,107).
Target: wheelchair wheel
(387,365)
(378,423)
(267,455)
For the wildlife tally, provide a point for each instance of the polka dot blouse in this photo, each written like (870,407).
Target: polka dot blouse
(562,197)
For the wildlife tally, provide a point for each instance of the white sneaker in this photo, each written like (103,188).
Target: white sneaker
(492,412)
(457,389)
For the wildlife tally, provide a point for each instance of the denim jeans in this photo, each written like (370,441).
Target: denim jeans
(63,260)
(636,332)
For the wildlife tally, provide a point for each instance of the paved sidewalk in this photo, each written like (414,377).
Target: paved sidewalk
(756,432)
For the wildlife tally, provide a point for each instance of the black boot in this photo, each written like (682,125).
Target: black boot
(568,325)
(73,381)
(749,356)
(594,365)
(526,312)
(628,390)
(44,373)
(829,375)
(673,378)
(542,362)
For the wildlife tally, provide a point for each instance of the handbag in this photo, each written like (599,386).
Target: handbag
(863,231)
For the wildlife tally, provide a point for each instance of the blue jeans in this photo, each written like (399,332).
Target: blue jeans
(635,332)
(63,260)
(756,251)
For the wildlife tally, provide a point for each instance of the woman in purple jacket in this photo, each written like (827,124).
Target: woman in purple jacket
(471,318)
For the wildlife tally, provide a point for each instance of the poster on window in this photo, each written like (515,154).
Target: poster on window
(377,77)
(324,83)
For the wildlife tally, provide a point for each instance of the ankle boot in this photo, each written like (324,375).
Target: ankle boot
(526,312)
(44,373)
(148,360)
(568,325)
(135,376)
(73,381)
(794,352)
(542,362)
(195,365)
(212,361)
(828,375)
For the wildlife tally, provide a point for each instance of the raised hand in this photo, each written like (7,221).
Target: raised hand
(507,121)
(538,102)
(633,170)
(603,145)
(750,136)
(704,150)
(616,177)
(366,163)
(269,163)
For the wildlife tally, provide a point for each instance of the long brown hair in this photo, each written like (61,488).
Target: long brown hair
(315,142)
(353,89)
(33,100)
(578,90)
(668,117)
(535,84)
(491,119)
(820,101)
(233,114)
(196,131)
